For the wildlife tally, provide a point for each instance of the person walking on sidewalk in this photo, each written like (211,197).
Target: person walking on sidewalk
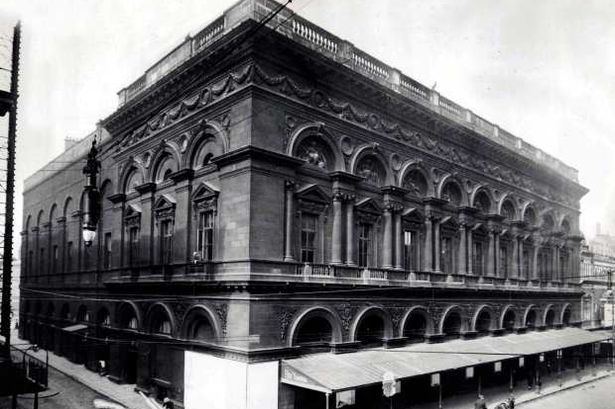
(480,403)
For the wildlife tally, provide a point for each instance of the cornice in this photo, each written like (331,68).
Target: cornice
(253,152)
(117,198)
(146,187)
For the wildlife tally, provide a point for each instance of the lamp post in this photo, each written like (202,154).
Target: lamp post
(91,205)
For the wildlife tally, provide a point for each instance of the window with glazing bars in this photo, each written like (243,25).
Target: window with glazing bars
(133,245)
(446,255)
(107,252)
(478,258)
(411,259)
(365,244)
(503,261)
(56,257)
(166,241)
(205,235)
(526,264)
(308,237)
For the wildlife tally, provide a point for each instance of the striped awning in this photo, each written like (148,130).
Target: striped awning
(327,372)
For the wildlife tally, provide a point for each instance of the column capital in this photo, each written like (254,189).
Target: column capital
(393,206)
(289,184)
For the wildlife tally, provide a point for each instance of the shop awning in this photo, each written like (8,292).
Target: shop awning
(75,328)
(328,372)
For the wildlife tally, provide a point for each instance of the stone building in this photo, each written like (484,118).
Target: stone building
(276,195)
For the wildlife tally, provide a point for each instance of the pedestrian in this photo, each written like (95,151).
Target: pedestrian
(167,404)
(511,402)
(480,403)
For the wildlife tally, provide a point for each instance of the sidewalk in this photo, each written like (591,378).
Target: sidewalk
(123,394)
(499,394)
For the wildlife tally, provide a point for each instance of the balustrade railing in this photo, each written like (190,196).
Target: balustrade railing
(320,40)
(264,269)
(369,64)
(314,35)
(207,35)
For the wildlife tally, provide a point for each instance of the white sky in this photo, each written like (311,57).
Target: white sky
(543,70)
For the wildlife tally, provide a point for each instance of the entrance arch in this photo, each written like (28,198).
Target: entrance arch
(372,325)
(416,324)
(316,325)
(508,319)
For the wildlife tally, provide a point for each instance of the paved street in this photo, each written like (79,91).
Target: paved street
(65,393)
(594,395)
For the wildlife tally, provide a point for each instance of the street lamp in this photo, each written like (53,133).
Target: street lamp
(91,205)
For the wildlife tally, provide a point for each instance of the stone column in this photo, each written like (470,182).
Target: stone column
(399,242)
(387,248)
(557,269)
(336,239)
(428,258)
(514,272)
(289,194)
(534,275)
(437,244)
(350,238)
(491,255)
(462,249)
(496,254)
(470,251)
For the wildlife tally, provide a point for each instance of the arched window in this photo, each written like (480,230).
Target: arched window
(452,192)
(566,317)
(508,210)
(416,183)
(482,202)
(209,148)
(415,327)
(165,168)
(547,222)
(550,318)
(83,315)
(160,322)
(530,319)
(314,329)
(128,318)
(132,181)
(103,317)
(316,152)
(372,170)
(483,322)
(451,327)
(200,329)
(370,328)
(529,217)
(508,323)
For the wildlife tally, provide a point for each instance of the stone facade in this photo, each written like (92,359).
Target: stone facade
(267,198)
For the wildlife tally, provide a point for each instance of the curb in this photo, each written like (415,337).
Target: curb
(84,383)
(564,388)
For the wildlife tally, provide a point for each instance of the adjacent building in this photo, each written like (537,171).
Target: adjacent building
(277,202)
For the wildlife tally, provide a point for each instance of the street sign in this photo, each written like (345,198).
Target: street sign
(345,398)
(469,372)
(435,379)
(521,362)
(497,367)
(389,384)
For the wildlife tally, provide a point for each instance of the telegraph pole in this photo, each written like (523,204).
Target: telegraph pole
(7,256)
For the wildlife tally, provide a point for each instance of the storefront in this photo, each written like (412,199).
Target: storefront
(430,372)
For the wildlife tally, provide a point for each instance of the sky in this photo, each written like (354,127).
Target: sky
(542,70)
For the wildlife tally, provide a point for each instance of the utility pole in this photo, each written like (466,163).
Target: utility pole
(7,255)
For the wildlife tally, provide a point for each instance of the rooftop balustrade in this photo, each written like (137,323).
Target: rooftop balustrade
(308,34)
